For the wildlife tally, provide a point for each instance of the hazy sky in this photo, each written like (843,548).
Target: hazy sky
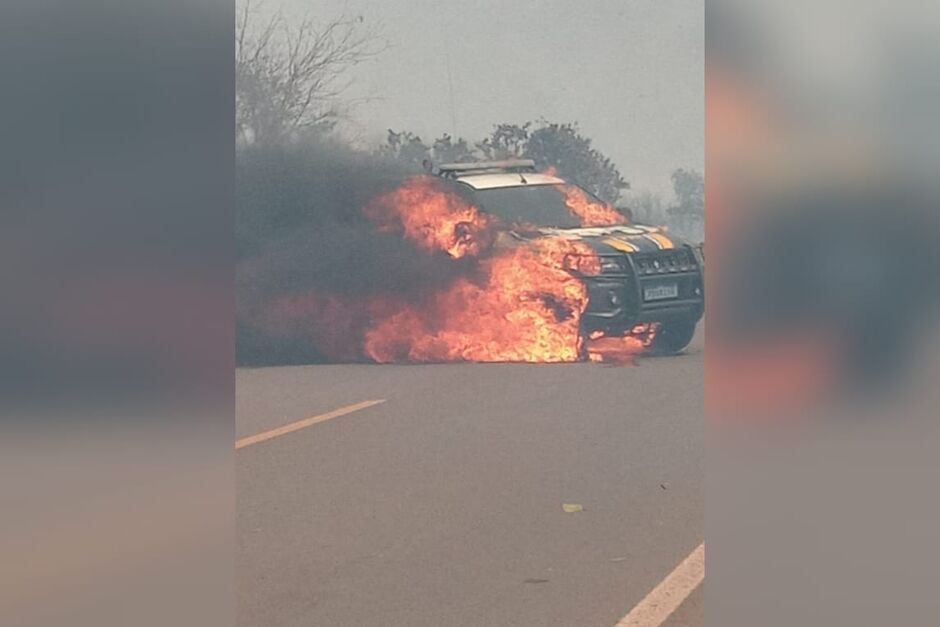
(630,72)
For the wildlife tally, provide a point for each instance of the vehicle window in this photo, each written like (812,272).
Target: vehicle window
(539,205)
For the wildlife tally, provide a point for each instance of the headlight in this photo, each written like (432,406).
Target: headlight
(611,265)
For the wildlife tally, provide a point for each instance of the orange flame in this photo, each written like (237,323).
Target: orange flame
(435,218)
(624,349)
(591,212)
(523,307)
(519,301)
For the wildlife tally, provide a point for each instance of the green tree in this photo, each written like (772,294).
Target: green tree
(563,147)
(689,187)
(646,207)
(406,148)
(507,141)
(551,145)
(688,212)
(448,150)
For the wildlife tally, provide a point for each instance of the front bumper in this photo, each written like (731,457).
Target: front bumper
(618,302)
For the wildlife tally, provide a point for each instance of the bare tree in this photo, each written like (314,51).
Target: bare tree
(289,74)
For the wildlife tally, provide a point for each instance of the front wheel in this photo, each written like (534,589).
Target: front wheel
(672,337)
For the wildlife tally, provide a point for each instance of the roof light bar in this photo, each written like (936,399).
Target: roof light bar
(509,165)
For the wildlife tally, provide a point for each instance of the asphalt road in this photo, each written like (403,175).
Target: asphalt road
(443,505)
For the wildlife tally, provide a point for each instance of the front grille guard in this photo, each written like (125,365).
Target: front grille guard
(635,309)
(682,261)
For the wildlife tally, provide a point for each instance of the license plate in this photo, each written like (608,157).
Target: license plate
(659,292)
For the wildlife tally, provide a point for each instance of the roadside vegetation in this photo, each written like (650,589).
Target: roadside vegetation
(292,76)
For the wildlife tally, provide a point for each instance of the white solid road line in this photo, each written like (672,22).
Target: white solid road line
(302,424)
(663,600)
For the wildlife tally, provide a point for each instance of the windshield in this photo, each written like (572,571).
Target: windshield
(538,205)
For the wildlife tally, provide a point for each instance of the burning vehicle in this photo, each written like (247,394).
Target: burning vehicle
(480,262)
(644,288)
(560,275)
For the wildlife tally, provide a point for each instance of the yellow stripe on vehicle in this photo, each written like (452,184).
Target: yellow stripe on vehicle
(663,242)
(622,246)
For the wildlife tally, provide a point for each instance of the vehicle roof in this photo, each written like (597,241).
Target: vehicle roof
(507,179)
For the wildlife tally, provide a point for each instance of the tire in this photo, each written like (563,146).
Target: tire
(672,337)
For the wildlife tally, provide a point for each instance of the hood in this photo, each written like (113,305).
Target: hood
(633,238)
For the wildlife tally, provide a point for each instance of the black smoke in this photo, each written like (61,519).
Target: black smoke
(300,230)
